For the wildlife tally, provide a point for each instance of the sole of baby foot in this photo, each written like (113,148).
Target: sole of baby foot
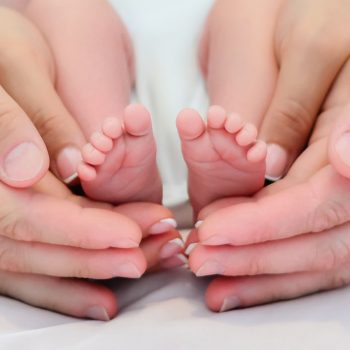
(224,158)
(119,163)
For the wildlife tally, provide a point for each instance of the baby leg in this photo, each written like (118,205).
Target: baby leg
(94,61)
(237,60)
(237,56)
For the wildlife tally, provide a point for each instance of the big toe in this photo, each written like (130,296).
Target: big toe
(190,124)
(137,120)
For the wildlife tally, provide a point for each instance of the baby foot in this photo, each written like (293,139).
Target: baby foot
(120,162)
(223,158)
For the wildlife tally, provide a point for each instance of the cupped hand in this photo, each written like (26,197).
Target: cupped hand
(292,238)
(312,45)
(27,77)
(49,235)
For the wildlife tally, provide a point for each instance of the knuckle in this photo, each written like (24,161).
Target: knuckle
(293,116)
(78,241)
(81,271)
(11,119)
(325,259)
(255,266)
(9,260)
(10,114)
(84,268)
(12,226)
(332,256)
(342,251)
(46,123)
(328,214)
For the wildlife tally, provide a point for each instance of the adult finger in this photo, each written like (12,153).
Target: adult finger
(36,217)
(307,72)
(311,252)
(325,204)
(23,155)
(310,173)
(67,296)
(225,293)
(26,62)
(162,245)
(339,122)
(220,204)
(70,262)
(339,144)
(153,219)
(312,159)
(164,251)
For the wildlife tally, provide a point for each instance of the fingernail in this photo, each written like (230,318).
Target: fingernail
(230,303)
(171,248)
(23,163)
(163,226)
(67,163)
(198,224)
(276,162)
(97,313)
(190,248)
(210,268)
(128,270)
(175,261)
(342,147)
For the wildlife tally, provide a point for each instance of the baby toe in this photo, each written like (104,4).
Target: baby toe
(247,135)
(216,117)
(190,125)
(92,156)
(101,142)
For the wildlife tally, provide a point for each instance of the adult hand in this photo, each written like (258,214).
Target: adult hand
(28,62)
(292,238)
(27,76)
(96,241)
(312,45)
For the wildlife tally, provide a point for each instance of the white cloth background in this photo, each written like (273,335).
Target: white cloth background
(166,310)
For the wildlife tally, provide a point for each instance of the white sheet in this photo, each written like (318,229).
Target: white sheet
(166,310)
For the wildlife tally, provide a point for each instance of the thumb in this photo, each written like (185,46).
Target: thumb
(27,74)
(58,129)
(23,156)
(339,143)
(304,80)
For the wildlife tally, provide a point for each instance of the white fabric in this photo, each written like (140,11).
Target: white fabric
(165,36)
(166,310)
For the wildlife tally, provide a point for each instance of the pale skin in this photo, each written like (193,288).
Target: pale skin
(27,241)
(119,160)
(223,157)
(97,240)
(219,294)
(301,256)
(224,287)
(291,238)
